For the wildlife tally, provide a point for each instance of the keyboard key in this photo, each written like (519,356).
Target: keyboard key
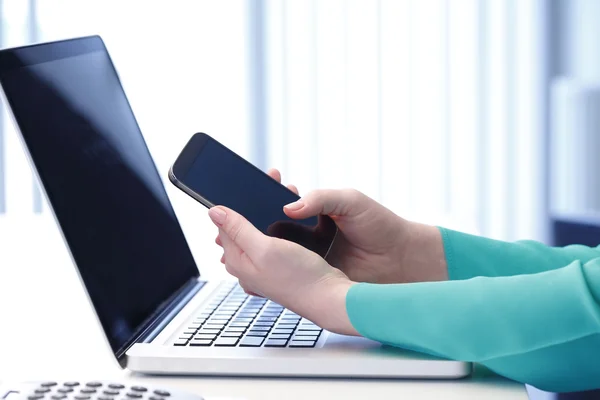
(114,386)
(71,384)
(279,336)
(105,398)
(209,336)
(219,317)
(286,325)
(82,397)
(226,341)
(283,331)
(266,319)
(42,391)
(238,319)
(231,334)
(162,393)
(133,395)
(275,343)
(246,315)
(242,324)
(204,315)
(194,325)
(215,325)
(180,342)
(93,384)
(261,328)
(201,342)
(252,341)
(309,328)
(65,390)
(35,397)
(88,391)
(49,384)
(58,397)
(209,330)
(140,389)
(268,313)
(257,333)
(302,343)
(236,329)
(269,324)
(188,332)
(303,335)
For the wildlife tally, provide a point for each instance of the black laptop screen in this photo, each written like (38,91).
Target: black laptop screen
(100,179)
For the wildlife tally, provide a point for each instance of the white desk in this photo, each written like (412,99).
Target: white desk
(53,334)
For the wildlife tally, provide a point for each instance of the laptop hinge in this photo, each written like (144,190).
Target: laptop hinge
(165,313)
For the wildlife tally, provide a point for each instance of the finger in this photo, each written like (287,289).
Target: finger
(238,230)
(293,188)
(328,202)
(231,252)
(275,174)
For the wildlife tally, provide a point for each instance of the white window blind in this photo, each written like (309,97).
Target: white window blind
(434,107)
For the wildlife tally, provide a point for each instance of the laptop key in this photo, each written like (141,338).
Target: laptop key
(210,336)
(309,328)
(201,342)
(279,336)
(283,331)
(180,342)
(269,324)
(231,334)
(257,333)
(226,341)
(275,343)
(236,329)
(286,325)
(266,319)
(302,343)
(260,328)
(252,341)
(300,336)
(206,330)
(242,324)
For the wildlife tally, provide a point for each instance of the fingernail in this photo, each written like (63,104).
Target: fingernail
(295,206)
(217,215)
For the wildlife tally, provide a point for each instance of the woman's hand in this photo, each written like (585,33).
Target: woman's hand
(373,244)
(284,272)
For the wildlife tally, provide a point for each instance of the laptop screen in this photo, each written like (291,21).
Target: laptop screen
(100,180)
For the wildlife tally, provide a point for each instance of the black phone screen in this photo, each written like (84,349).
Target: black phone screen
(223,178)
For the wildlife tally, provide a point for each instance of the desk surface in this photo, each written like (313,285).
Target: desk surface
(41,296)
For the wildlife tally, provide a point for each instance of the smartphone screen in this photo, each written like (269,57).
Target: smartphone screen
(221,177)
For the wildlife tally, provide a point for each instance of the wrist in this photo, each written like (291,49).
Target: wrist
(331,299)
(423,253)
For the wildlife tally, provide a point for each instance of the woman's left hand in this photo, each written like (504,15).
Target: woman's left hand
(284,272)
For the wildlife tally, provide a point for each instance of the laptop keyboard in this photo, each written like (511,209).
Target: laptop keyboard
(234,319)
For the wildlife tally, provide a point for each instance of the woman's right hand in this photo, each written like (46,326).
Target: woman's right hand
(373,244)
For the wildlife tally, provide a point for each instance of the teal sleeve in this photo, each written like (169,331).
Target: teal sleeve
(537,328)
(469,256)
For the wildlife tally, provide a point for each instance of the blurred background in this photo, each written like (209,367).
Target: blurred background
(480,115)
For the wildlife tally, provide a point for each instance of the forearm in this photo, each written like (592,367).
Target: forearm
(468,256)
(541,329)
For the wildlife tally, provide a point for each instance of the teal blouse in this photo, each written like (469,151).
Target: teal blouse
(525,310)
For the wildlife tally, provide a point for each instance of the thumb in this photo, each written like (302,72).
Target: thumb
(241,232)
(346,202)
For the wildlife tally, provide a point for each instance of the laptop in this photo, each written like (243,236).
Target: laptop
(158,314)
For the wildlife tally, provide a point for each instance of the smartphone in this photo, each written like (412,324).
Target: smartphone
(214,175)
